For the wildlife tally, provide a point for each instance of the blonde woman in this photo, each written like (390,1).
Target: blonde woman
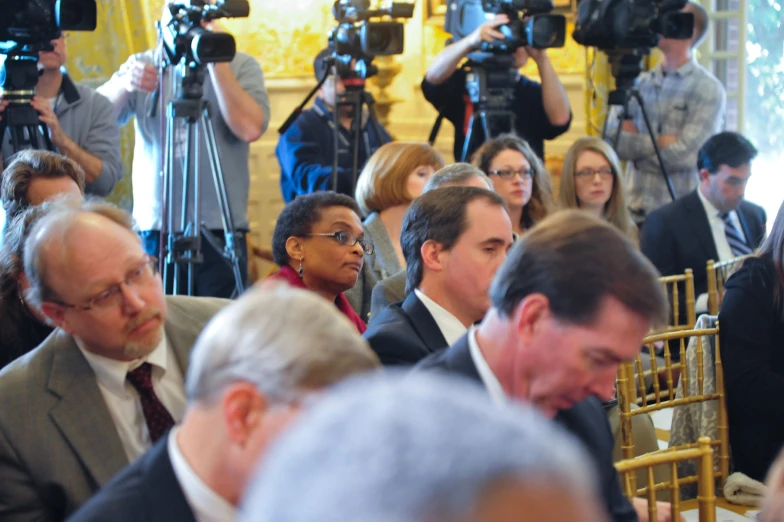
(519,177)
(392,178)
(590,180)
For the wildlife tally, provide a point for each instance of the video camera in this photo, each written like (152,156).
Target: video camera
(185,38)
(530,23)
(358,39)
(613,25)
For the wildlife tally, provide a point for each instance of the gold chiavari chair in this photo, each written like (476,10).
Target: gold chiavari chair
(673,286)
(703,454)
(718,273)
(675,390)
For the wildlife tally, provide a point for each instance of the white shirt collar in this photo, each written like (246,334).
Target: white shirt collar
(451,327)
(491,382)
(112,373)
(711,211)
(207,505)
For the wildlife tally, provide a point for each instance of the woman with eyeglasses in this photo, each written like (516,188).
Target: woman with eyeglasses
(319,245)
(22,326)
(590,180)
(519,177)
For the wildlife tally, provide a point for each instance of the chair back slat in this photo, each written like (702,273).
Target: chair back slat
(718,273)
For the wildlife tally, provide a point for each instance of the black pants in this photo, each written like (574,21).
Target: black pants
(214,277)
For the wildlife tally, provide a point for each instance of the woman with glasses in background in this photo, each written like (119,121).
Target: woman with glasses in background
(590,180)
(319,245)
(519,177)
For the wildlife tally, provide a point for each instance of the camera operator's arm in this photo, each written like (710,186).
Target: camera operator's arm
(243,114)
(632,145)
(134,76)
(554,98)
(445,64)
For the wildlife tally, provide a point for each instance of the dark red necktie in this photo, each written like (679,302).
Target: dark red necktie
(158,418)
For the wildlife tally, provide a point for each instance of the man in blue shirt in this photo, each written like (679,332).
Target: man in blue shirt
(541,110)
(306,150)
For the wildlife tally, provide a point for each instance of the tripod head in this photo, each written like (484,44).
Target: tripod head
(625,66)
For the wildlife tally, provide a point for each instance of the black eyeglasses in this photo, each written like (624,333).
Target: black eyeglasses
(525,174)
(348,239)
(113,296)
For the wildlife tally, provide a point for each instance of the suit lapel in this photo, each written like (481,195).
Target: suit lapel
(698,220)
(424,324)
(752,239)
(163,490)
(458,359)
(82,415)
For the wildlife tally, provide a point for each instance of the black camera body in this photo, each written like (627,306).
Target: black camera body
(628,25)
(34,23)
(186,40)
(530,23)
(363,33)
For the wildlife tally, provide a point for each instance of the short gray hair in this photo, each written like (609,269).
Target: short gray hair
(283,340)
(394,448)
(456,174)
(53,225)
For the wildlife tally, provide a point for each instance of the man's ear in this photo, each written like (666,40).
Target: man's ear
(54,315)
(432,255)
(704,175)
(294,248)
(243,408)
(530,314)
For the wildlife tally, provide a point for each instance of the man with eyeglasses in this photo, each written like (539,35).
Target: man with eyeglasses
(454,239)
(108,382)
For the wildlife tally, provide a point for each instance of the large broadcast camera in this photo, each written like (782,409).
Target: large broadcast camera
(358,38)
(184,37)
(626,31)
(27,27)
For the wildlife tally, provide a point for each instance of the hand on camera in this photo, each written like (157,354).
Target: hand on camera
(139,76)
(47,116)
(487,31)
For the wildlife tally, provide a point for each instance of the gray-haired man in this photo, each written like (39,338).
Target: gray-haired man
(253,364)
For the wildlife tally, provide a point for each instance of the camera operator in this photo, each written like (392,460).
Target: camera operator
(80,121)
(686,106)
(306,150)
(541,111)
(241,110)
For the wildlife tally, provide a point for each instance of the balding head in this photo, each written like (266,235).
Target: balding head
(89,276)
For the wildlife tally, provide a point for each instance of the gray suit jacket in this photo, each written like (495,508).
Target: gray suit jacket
(58,443)
(389,291)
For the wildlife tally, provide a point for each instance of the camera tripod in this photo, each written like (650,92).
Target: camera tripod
(625,69)
(183,245)
(490,89)
(356,97)
(19,118)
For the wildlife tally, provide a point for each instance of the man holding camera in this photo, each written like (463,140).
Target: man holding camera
(686,106)
(240,109)
(80,122)
(306,150)
(541,110)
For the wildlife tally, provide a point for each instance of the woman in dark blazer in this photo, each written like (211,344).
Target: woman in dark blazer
(751,323)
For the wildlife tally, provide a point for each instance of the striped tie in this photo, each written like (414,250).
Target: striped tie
(737,244)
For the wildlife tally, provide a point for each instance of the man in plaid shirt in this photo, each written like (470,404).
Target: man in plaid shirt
(686,106)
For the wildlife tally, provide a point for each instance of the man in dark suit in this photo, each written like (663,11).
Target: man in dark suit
(573,300)
(713,222)
(454,239)
(249,370)
(108,382)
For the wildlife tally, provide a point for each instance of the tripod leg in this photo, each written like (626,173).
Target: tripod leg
(485,126)
(167,216)
(667,180)
(231,252)
(468,137)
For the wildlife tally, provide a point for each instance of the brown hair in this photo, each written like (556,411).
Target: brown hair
(615,211)
(773,249)
(29,164)
(541,203)
(382,182)
(575,260)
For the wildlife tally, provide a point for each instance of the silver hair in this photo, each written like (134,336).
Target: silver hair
(456,174)
(57,219)
(283,340)
(394,448)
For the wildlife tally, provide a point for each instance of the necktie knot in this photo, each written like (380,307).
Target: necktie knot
(141,377)
(724,216)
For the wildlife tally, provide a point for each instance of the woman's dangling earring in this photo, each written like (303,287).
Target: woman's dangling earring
(301,270)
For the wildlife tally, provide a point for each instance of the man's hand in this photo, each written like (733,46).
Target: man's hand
(629,126)
(663,513)
(665,140)
(47,116)
(138,76)
(537,55)
(487,31)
